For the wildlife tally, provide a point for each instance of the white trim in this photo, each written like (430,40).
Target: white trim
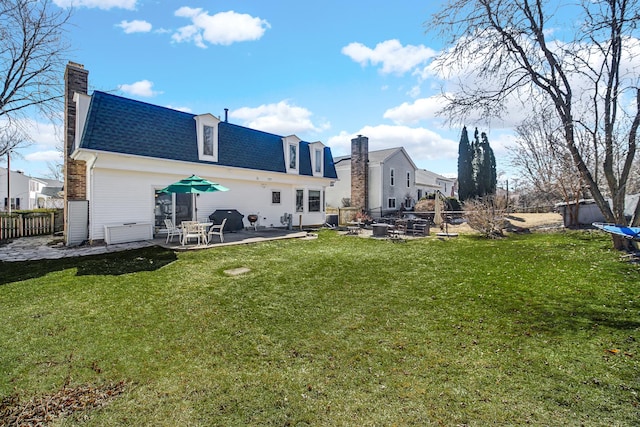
(212,122)
(295,195)
(319,190)
(82,109)
(276,190)
(316,151)
(291,141)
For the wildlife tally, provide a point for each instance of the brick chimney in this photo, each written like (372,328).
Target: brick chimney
(75,80)
(360,173)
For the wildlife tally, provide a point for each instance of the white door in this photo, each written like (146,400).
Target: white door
(77,222)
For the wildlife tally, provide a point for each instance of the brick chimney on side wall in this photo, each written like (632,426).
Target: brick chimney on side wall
(76,79)
(75,179)
(360,173)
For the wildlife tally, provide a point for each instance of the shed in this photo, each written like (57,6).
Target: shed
(585,212)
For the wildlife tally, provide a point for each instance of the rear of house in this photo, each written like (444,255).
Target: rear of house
(120,152)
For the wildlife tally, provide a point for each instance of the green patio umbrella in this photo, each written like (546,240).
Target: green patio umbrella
(192,185)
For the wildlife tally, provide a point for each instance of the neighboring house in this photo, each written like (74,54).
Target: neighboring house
(428,182)
(391,179)
(27,192)
(120,153)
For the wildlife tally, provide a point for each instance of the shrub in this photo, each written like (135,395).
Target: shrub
(486,215)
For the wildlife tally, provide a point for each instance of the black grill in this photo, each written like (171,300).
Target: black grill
(234,219)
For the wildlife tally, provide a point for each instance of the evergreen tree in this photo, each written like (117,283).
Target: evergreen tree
(489,165)
(478,167)
(477,175)
(466,187)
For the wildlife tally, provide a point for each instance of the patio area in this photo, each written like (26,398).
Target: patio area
(240,237)
(50,247)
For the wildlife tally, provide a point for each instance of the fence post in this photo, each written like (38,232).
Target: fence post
(51,222)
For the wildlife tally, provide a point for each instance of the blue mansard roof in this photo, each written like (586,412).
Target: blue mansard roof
(126,126)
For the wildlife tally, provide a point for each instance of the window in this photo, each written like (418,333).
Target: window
(275,197)
(391,204)
(314,201)
(207,148)
(207,134)
(318,161)
(291,151)
(392,174)
(299,200)
(408,179)
(15,203)
(293,156)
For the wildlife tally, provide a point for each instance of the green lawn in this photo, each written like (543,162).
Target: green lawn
(338,331)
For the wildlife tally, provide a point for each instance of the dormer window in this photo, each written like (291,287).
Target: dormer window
(293,156)
(207,133)
(207,147)
(317,158)
(291,148)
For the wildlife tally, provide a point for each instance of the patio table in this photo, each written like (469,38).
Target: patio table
(201,228)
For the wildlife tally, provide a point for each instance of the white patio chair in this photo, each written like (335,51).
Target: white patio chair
(191,230)
(217,230)
(172,230)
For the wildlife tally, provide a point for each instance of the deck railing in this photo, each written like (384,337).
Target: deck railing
(26,224)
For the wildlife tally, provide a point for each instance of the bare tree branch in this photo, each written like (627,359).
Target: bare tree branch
(503,50)
(32,50)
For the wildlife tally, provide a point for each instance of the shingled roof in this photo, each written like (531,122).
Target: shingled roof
(127,126)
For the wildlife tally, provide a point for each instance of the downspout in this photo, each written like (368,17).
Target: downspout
(382,199)
(90,196)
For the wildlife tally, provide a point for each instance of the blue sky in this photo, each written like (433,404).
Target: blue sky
(325,71)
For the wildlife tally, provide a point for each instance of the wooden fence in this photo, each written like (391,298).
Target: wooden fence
(26,224)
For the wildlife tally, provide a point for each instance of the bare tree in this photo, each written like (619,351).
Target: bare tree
(544,162)
(589,79)
(54,171)
(32,50)
(11,138)
(486,215)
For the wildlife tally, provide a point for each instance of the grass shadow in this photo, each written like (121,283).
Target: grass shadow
(110,264)
(559,315)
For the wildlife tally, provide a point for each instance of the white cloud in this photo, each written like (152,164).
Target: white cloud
(420,143)
(420,109)
(281,118)
(44,156)
(414,92)
(394,57)
(46,135)
(142,88)
(183,109)
(100,4)
(135,26)
(223,28)
(39,135)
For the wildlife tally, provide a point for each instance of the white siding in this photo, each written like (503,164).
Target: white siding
(341,188)
(122,189)
(375,189)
